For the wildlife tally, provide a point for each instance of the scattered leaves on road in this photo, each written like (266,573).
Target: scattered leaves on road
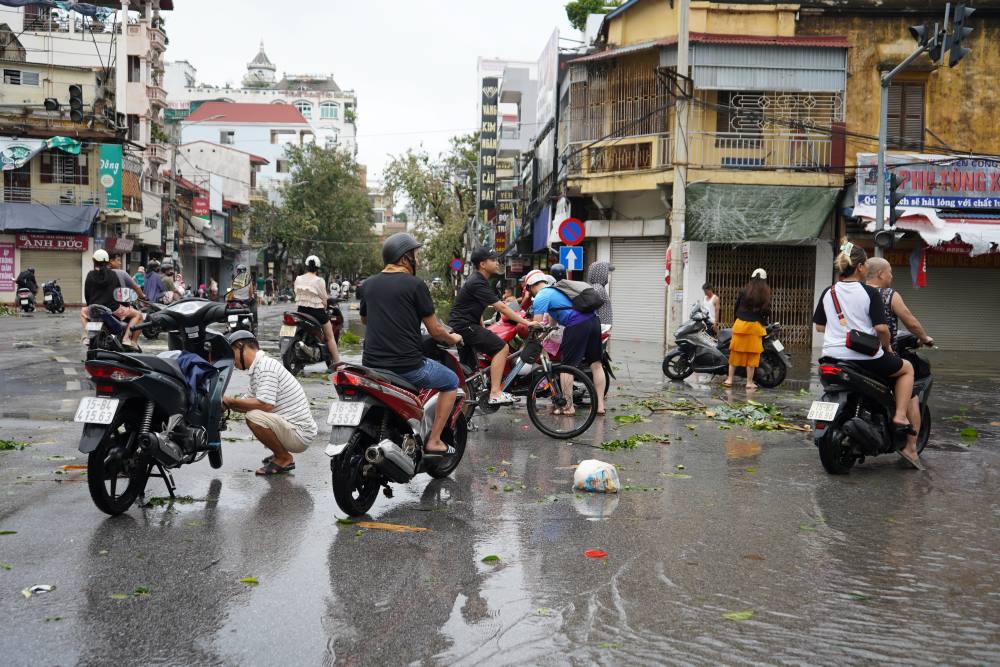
(756,416)
(744,615)
(675,475)
(969,434)
(543,611)
(345,522)
(630,419)
(6,566)
(51,619)
(609,645)
(8,532)
(11,445)
(118,596)
(161,501)
(632,441)
(249,581)
(492,558)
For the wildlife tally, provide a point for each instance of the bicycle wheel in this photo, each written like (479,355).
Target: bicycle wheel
(546,397)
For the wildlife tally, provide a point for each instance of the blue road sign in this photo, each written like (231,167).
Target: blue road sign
(571,257)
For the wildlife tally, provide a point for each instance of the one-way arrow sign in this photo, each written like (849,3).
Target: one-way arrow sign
(571,257)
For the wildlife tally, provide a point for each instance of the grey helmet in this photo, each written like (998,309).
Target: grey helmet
(239,335)
(398,245)
(153,265)
(558,271)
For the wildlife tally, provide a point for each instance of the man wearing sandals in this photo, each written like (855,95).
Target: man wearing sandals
(277,410)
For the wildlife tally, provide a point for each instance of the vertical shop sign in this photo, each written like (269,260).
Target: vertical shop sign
(488,144)
(110,174)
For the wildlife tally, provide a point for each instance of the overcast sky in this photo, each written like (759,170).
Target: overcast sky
(412,64)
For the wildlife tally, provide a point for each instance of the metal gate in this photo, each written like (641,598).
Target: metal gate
(954,307)
(56,265)
(638,293)
(791,273)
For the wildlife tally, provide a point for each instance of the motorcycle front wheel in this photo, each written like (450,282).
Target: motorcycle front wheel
(117,471)
(354,492)
(546,401)
(772,371)
(677,366)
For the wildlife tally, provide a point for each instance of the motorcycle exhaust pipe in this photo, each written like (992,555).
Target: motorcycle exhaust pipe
(391,461)
(161,448)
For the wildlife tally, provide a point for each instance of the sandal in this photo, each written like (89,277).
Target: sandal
(563,412)
(273,468)
(435,456)
(727,383)
(752,387)
(915,462)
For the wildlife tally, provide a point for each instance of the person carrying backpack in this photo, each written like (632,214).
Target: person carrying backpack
(573,305)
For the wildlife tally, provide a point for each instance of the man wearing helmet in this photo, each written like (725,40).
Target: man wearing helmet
(277,410)
(154,284)
(244,290)
(310,297)
(393,304)
(466,318)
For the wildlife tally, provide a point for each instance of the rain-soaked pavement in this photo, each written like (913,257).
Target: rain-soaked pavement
(886,565)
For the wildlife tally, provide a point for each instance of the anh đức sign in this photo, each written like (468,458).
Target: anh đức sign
(933,181)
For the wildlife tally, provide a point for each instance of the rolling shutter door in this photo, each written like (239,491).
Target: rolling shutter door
(54,265)
(957,308)
(638,293)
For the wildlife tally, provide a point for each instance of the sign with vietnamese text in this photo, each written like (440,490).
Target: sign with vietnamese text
(933,181)
(200,207)
(7,275)
(548,78)
(488,143)
(74,243)
(109,174)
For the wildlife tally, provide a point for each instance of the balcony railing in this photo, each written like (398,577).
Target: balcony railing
(768,150)
(157,153)
(642,153)
(157,39)
(156,95)
(54,195)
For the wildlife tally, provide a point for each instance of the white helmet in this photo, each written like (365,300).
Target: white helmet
(537,276)
(312,261)
(101,256)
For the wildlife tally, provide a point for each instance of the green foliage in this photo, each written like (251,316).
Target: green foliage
(578,10)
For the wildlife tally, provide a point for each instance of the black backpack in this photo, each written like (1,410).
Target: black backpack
(584,297)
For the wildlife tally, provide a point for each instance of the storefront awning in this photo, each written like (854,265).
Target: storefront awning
(981,233)
(740,214)
(540,230)
(39,217)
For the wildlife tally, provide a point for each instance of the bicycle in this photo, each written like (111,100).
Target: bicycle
(531,373)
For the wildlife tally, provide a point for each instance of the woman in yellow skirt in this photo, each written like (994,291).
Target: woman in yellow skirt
(753,307)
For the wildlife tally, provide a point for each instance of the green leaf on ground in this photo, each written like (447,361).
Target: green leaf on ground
(11,445)
(160,501)
(969,434)
(349,338)
(633,441)
(858,595)
(609,645)
(492,558)
(543,611)
(119,596)
(491,469)
(345,522)
(140,591)
(745,615)
(630,419)
(676,475)
(508,488)
(50,619)
(6,566)
(249,581)
(8,532)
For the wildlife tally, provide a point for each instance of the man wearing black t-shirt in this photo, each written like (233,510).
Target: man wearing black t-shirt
(466,318)
(393,304)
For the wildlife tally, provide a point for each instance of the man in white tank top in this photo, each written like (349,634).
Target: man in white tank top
(712,304)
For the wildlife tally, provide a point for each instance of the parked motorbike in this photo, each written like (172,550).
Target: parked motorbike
(52,296)
(378,430)
(698,352)
(853,419)
(145,417)
(26,300)
(286,295)
(237,322)
(302,339)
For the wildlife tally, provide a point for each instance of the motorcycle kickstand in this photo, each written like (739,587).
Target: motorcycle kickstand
(167,478)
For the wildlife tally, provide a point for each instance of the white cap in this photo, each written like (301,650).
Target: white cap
(536,276)
(101,256)
(759,273)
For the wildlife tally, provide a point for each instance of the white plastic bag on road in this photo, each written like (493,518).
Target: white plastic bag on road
(596,476)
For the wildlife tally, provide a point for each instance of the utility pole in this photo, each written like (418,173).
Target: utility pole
(172,228)
(675,292)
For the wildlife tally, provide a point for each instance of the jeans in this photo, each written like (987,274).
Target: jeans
(432,375)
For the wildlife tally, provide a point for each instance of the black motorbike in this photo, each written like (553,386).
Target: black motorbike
(145,417)
(698,352)
(303,340)
(26,300)
(104,330)
(52,297)
(238,322)
(853,420)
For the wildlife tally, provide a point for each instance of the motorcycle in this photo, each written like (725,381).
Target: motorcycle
(698,352)
(302,339)
(148,308)
(853,419)
(26,300)
(145,417)
(237,322)
(378,430)
(52,297)
(104,330)
(286,295)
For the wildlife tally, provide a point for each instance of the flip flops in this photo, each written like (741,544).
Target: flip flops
(915,462)
(504,399)
(273,468)
(437,456)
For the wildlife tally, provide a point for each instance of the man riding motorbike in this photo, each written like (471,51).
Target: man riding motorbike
(154,284)
(472,301)
(244,290)
(393,305)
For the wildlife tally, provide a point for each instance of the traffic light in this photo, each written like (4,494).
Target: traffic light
(76,103)
(51,104)
(894,198)
(959,33)
(921,33)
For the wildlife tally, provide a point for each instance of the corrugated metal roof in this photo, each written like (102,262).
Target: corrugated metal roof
(824,41)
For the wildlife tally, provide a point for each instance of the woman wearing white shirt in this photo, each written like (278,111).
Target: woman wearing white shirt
(861,309)
(310,297)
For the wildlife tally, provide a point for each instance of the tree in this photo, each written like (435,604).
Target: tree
(577,11)
(441,193)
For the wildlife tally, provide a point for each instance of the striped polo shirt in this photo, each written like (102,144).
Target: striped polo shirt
(270,383)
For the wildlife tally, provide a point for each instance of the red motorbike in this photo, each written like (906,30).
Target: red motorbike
(378,430)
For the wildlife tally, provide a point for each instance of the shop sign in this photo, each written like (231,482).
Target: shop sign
(109,174)
(7,267)
(488,143)
(500,241)
(118,243)
(933,181)
(200,208)
(516,266)
(75,243)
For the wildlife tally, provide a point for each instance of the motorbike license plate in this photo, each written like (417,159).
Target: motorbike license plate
(24,302)
(94,326)
(778,346)
(822,411)
(48,297)
(345,414)
(233,319)
(287,331)
(96,410)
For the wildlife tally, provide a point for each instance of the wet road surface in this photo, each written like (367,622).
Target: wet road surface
(886,565)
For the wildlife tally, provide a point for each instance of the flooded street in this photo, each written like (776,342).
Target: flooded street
(726,545)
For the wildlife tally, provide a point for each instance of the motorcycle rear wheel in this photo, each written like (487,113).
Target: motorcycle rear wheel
(835,453)
(354,493)
(107,466)
(288,359)
(457,438)
(772,371)
(677,366)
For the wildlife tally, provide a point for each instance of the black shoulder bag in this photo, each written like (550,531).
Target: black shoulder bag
(859,341)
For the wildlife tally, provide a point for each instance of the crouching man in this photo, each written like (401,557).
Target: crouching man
(277,410)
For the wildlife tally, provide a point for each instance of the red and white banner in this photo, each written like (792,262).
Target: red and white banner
(75,243)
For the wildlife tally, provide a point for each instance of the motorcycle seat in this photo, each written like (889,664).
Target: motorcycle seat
(160,364)
(310,320)
(392,378)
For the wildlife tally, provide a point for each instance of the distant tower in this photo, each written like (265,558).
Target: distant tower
(260,71)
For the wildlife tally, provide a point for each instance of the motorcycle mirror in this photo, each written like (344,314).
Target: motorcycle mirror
(125,295)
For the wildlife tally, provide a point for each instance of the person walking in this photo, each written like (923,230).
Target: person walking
(753,307)
(712,305)
(269,289)
(213,289)
(277,410)
(310,297)
(259,292)
(598,276)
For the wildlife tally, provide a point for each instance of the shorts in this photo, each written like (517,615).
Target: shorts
(481,339)
(884,367)
(122,313)
(318,314)
(281,427)
(582,343)
(432,375)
